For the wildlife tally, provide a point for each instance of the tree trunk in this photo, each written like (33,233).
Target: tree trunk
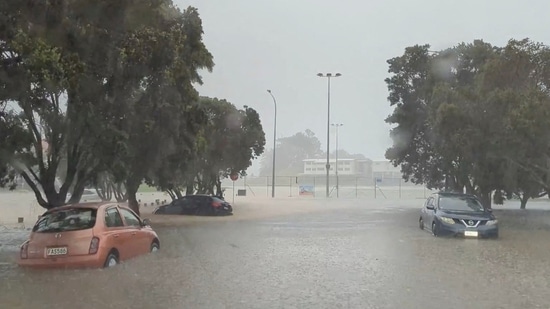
(172,195)
(78,190)
(190,189)
(132,187)
(133,202)
(104,188)
(523,201)
(486,200)
(52,196)
(219,187)
(119,192)
(39,198)
(470,189)
(498,197)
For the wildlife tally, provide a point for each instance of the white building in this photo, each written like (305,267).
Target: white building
(353,167)
(384,169)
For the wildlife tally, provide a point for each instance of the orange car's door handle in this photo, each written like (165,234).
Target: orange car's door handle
(134,233)
(115,235)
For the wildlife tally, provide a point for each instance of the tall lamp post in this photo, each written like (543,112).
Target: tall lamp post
(337,125)
(328,77)
(274,143)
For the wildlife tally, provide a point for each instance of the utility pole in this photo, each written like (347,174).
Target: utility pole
(337,125)
(274,144)
(328,76)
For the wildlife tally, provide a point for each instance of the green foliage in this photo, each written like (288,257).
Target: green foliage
(226,142)
(472,116)
(105,84)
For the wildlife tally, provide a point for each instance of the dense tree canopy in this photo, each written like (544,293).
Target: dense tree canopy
(473,117)
(97,91)
(227,142)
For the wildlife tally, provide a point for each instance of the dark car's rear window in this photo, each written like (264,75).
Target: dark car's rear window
(460,203)
(218,200)
(71,219)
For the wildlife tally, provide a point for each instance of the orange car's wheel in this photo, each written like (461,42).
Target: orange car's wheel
(112,260)
(155,247)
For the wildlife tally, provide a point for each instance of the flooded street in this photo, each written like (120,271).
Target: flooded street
(349,258)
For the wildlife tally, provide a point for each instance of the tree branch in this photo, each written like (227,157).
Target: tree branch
(36,191)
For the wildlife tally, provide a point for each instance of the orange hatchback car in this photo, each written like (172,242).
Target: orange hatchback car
(87,235)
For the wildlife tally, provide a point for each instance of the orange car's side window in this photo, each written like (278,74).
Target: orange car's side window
(112,218)
(130,218)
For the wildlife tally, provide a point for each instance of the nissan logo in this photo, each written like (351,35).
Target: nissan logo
(470,222)
(58,235)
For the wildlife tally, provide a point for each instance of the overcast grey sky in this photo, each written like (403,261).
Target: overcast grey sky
(282,44)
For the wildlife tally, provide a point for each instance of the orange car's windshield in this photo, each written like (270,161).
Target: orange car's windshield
(66,220)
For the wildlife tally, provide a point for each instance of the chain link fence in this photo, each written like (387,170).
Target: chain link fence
(315,186)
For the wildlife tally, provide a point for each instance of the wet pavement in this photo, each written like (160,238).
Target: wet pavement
(349,258)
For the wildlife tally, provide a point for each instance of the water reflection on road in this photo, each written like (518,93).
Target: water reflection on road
(354,258)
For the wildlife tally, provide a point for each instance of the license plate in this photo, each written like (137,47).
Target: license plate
(471,233)
(56,251)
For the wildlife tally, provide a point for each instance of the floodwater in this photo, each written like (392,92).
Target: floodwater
(349,258)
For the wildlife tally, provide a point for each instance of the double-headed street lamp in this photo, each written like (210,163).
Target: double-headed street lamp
(274,143)
(337,125)
(328,76)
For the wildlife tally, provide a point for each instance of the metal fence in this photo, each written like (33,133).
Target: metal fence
(315,186)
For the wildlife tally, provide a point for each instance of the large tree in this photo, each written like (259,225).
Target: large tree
(523,74)
(459,115)
(226,143)
(410,88)
(38,70)
(156,114)
(92,81)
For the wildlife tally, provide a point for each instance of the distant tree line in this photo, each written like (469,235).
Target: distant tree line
(101,93)
(473,117)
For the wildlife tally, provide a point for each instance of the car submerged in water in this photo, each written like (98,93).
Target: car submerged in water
(87,235)
(199,205)
(457,214)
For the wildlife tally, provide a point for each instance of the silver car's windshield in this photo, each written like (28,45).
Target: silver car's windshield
(460,203)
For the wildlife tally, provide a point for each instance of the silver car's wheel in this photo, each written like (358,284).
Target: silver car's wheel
(434,229)
(421,223)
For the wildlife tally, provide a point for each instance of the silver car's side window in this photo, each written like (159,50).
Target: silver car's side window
(428,201)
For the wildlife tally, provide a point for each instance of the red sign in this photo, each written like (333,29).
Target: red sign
(234,177)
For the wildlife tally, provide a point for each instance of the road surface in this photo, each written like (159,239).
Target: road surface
(340,257)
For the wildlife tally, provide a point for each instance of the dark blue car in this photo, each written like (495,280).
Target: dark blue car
(457,214)
(199,204)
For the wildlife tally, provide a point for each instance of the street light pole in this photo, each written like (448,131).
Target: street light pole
(337,125)
(274,143)
(328,76)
